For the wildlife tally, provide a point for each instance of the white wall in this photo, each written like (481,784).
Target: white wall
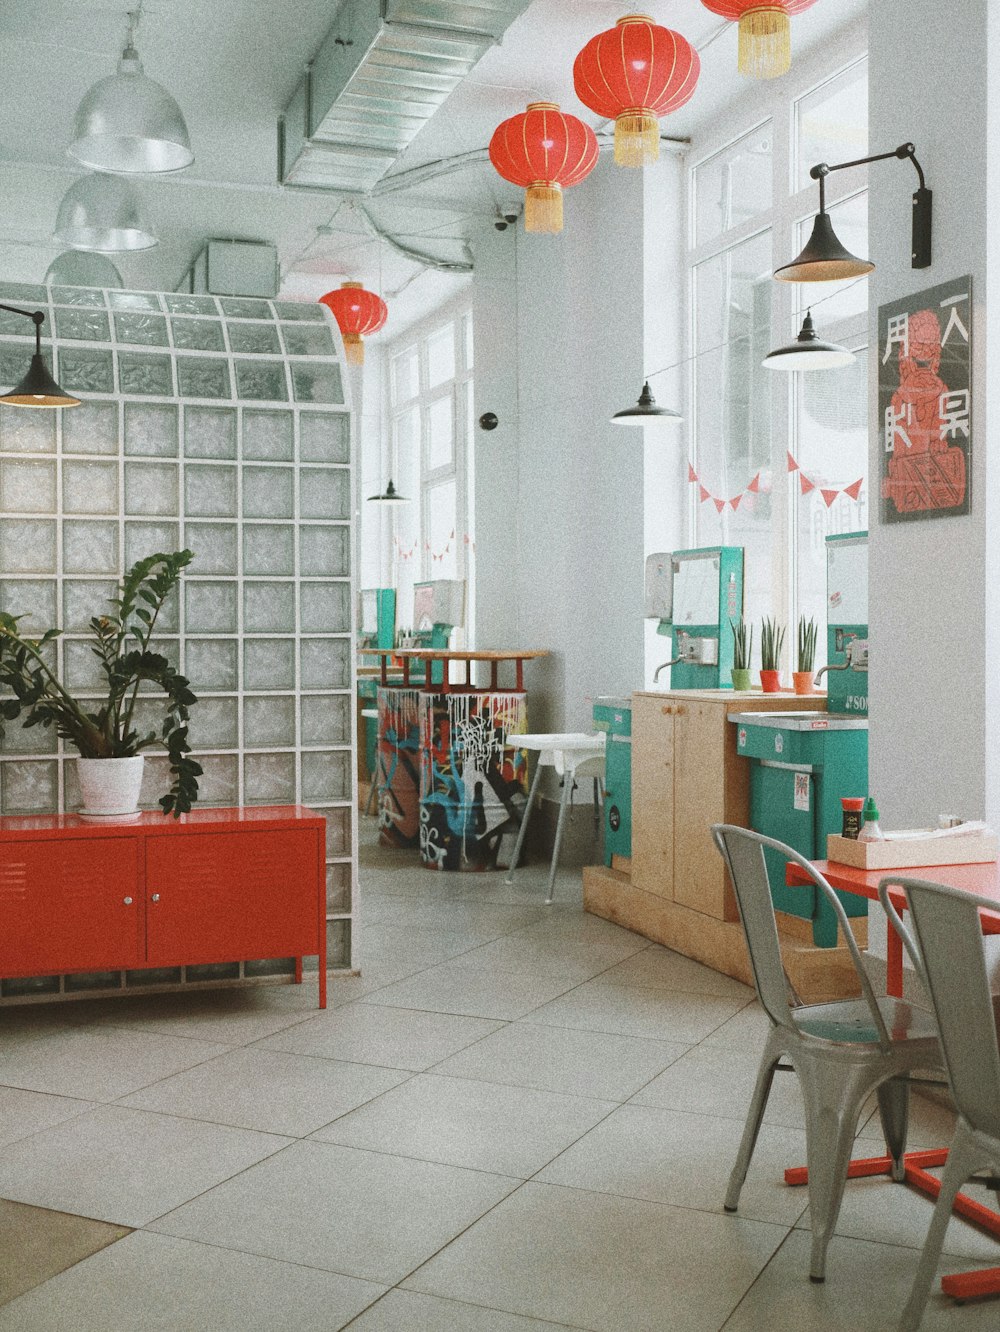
(565,328)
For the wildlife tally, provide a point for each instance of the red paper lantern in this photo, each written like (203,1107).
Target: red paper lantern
(544,150)
(765,32)
(357,312)
(635,73)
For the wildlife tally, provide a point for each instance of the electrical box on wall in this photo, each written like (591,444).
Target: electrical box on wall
(234,268)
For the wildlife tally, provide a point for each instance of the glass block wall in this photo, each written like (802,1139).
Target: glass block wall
(220,424)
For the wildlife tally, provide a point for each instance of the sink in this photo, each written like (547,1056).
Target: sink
(801,721)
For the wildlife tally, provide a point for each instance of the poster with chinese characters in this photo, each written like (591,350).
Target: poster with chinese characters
(925,403)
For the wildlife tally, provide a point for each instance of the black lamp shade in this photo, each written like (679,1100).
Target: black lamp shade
(38,388)
(645,410)
(388,496)
(824,259)
(808,352)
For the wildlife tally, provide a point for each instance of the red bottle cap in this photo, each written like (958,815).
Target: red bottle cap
(853,803)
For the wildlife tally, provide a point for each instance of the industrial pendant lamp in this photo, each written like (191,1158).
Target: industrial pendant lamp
(37,388)
(808,352)
(80,268)
(824,259)
(645,410)
(129,123)
(388,496)
(103,213)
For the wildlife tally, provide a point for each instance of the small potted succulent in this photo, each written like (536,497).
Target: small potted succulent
(802,679)
(772,640)
(742,647)
(104,731)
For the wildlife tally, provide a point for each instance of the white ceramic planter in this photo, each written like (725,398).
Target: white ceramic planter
(110,786)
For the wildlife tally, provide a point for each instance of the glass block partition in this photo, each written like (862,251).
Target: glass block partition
(222,424)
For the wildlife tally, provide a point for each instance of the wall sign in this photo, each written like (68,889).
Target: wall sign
(925,403)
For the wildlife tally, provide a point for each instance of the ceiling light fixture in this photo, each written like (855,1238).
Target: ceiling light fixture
(645,410)
(103,213)
(37,388)
(388,496)
(129,123)
(824,259)
(808,352)
(80,268)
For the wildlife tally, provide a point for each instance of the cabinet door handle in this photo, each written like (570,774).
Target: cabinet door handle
(667,710)
(681,710)
(155,897)
(127,901)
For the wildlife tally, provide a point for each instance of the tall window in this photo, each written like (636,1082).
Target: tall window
(430,404)
(778,457)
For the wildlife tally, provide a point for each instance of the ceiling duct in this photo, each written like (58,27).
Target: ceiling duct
(383,70)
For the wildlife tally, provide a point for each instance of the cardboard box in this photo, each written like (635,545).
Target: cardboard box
(912,852)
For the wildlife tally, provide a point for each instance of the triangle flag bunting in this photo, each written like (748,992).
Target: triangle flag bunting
(720,504)
(703,495)
(805,483)
(855,490)
(754,486)
(692,474)
(829,496)
(792,464)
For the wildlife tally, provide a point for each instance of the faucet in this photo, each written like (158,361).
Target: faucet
(844,665)
(656,673)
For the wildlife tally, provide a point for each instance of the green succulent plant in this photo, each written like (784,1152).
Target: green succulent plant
(121,642)
(742,644)
(807,643)
(772,640)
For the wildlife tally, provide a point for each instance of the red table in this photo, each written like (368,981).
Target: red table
(984,881)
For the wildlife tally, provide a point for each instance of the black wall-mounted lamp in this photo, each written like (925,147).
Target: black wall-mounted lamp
(37,388)
(824,259)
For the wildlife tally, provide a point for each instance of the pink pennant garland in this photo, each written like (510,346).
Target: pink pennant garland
(703,494)
(754,487)
(829,496)
(692,474)
(805,483)
(735,501)
(855,490)
(720,504)
(792,464)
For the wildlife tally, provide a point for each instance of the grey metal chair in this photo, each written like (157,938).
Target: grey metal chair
(946,946)
(841,1051)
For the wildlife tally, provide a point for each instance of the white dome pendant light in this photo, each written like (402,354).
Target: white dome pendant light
(103,213)
(129,123)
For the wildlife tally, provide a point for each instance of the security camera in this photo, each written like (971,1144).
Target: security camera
(510,217)
(500,224)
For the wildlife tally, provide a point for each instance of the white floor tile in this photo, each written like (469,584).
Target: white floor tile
(508,1130)
(474,989)
(552,954)
(719,1080)
(602,1263)
(23,1113)
(368,1033)
(575,1063)
(746,1031)
(363,1214)
(406,1311)
(685,1160)
(673,971)
(159,1284)
(101,1063)
(126,1166)
(627,1010)
(267,1090)
(866,1288)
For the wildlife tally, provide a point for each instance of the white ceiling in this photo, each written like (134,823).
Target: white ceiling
(233,64)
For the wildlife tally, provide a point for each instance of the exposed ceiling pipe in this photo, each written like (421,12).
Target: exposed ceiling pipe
(429,260)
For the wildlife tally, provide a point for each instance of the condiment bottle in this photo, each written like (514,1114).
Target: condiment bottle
(870,831)
(853,816)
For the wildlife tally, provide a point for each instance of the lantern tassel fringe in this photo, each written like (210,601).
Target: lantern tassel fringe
(543,209)
(637,139)
(354,349)
(765,43)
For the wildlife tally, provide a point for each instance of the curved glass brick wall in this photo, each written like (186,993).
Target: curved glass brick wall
(222,424)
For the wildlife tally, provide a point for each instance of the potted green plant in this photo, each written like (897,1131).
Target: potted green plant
(772,640)
(742,647)
(802,679)
(105,732)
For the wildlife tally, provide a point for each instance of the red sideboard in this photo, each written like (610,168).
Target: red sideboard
(216,885)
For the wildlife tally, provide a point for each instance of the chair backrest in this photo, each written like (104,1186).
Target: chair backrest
(743,852)
(946,946)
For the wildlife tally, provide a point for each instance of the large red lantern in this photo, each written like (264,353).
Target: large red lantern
(543,150)
(765,32)
(635,73)
(357,312)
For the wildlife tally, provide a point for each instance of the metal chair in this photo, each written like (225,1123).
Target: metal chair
(946,946)
(841,1051)
(572,755)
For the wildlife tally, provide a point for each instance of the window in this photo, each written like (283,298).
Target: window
(780,460)
(430,406)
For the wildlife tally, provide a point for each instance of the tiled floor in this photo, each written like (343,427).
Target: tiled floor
(518,1118)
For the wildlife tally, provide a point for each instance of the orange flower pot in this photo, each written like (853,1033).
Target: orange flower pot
(770,682)
(802,682)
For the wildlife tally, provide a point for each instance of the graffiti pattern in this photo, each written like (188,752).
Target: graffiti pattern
(398,766)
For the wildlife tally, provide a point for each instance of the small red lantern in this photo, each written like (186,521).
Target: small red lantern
(635,73)
(357,312)
(543,150)
(765,32)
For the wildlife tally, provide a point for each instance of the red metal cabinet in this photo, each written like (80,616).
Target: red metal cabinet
(220,885)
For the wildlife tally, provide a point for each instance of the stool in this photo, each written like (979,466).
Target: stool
(369,714)
(572,754)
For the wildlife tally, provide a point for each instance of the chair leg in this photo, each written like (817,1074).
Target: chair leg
(597,809)
(567,791)
(751,1130)
(894,1111)
(521,832)
(833,1098)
